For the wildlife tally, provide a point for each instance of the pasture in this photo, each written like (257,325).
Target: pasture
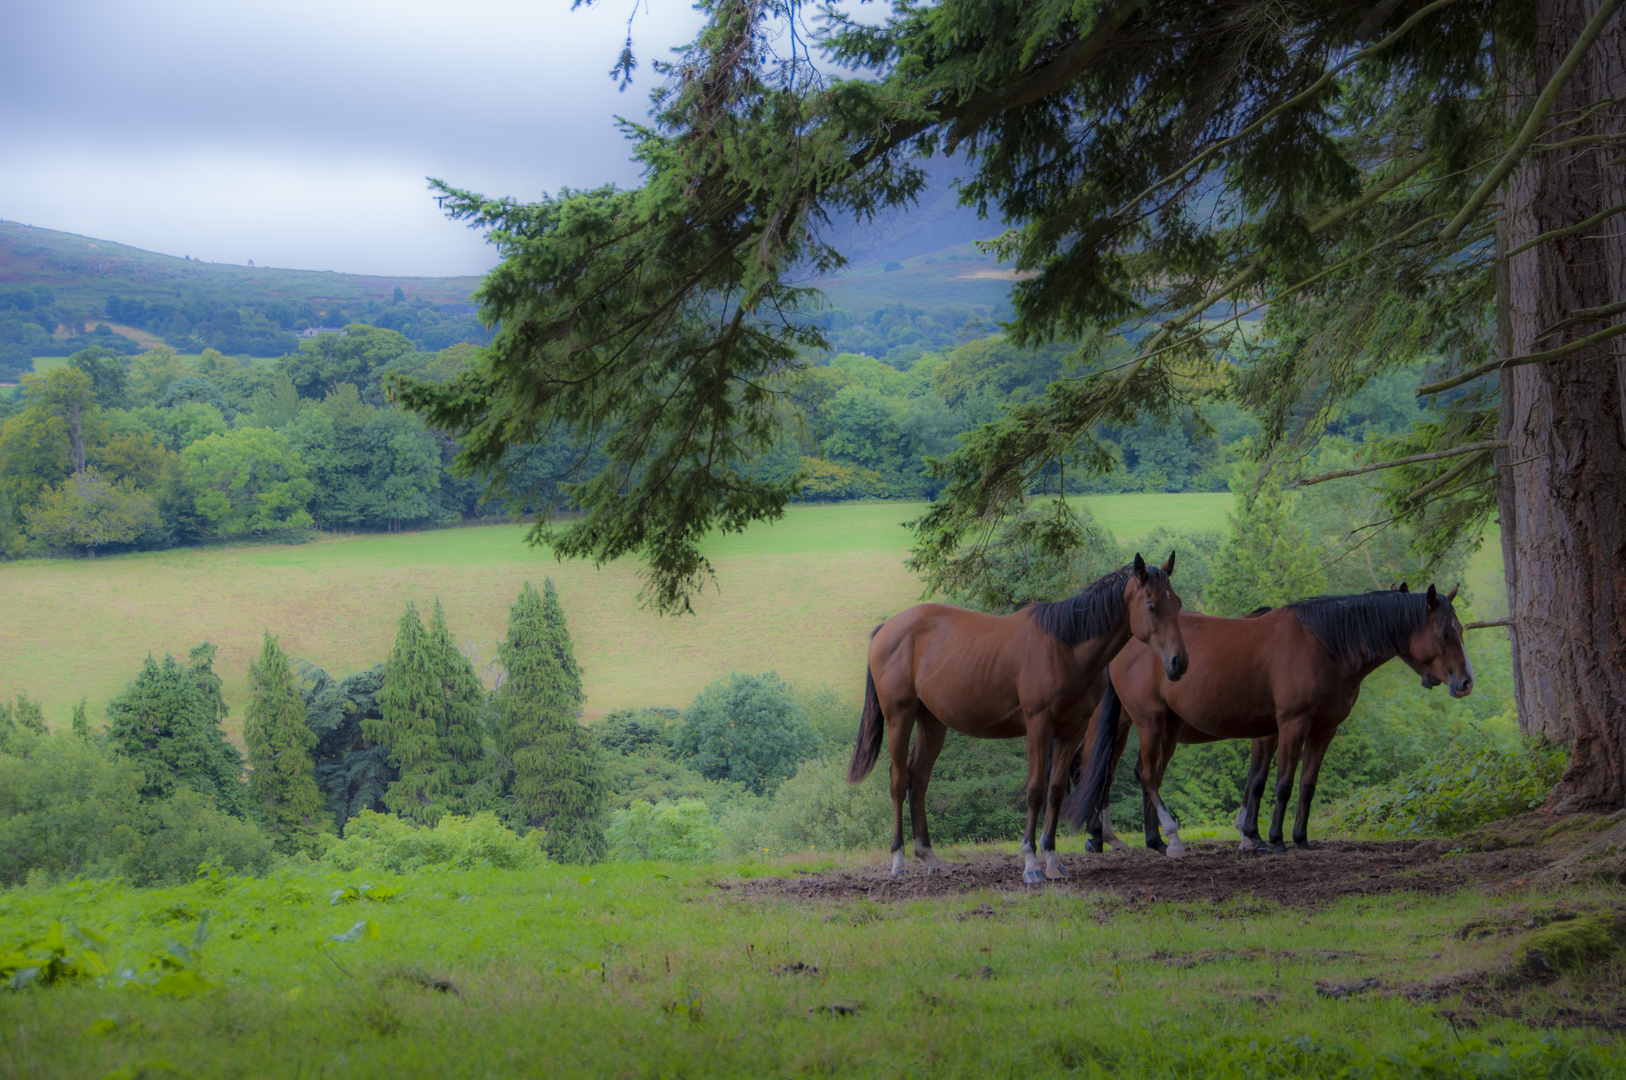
(667,970)
(799,597)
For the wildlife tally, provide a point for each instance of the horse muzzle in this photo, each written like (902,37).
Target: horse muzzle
(1461,688)
(1175,666)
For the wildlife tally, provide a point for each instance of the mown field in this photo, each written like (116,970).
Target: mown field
(662,970)
(799,597)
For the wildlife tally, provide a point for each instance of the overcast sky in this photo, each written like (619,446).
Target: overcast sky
(299,133)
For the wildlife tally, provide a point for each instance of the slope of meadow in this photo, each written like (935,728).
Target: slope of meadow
(799,596)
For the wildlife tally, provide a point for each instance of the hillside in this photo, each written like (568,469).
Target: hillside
(83,272)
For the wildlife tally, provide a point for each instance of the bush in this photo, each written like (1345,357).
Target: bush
(637,731)
(680,831)
(385,842)
(67,809)
(816,809)
(1454,792)
(747,729)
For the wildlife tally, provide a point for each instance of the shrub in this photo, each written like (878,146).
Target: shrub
(637,731)
(680,831)
(67,809)
(1454,792)
(385,842)
(748,729)
(816,808)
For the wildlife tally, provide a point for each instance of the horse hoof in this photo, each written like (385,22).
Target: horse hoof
(1091,847)
(1253,847)
(1302,845)
(1279,848)
(934,870)
(1177,852)
(1057,873)
(1033,877)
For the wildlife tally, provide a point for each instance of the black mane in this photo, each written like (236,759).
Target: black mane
(1092,613)
(1367,626)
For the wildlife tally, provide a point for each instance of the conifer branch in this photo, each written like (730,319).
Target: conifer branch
(1455,451)
(1447,477)
(1519,361)
(1558,234)
(1532,123)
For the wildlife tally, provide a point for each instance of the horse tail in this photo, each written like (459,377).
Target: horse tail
(871,730)
(1095,787)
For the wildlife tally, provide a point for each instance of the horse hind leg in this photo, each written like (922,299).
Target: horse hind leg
(928,744)
(1247,815)
(900,725)
(1038,742)
(1157,761)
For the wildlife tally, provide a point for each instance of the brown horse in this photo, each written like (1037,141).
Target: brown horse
(1032,674)
(1286,677)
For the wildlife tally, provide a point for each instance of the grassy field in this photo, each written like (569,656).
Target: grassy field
(660,970)
(799,597)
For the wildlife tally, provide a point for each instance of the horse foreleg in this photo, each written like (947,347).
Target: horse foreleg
(1314,751)
(1253,792)
(1291,736)
(1038,744)
(928,744)
(1061,761)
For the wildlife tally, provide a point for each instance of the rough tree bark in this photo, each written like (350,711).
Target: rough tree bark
(1562,489)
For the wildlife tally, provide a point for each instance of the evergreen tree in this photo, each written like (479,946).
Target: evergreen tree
(1269,560)
(282,783)
(558,783)
(429,718)
(29,714)
(167,722)
(81,724)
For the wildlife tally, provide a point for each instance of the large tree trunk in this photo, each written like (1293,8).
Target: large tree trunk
(1562,489)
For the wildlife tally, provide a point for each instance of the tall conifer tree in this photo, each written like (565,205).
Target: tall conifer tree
(168,723)
(429,718)
(558,782)
(283,783)
(80,722)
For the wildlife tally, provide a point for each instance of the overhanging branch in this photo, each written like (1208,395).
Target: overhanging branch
(1456,451)
(1519,361)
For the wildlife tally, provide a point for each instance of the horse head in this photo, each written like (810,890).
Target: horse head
(1154,614)
(1436,650)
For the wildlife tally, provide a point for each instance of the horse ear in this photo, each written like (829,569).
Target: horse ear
(1140,568)
(1402,587)
(1452,595)
(1168,566)
(1433,598)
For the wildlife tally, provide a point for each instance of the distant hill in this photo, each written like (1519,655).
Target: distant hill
(84,272)
(914,282)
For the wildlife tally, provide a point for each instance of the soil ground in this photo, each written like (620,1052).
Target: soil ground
(1213,871)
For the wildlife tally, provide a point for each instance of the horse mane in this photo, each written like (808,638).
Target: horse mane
(1366,626)
(1093,613)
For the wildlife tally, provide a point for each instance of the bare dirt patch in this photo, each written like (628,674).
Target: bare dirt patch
(1213,871)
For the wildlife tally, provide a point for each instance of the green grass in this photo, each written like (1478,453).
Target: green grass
(799,596)
(653,970)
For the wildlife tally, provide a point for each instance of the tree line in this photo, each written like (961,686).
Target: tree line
(159,449)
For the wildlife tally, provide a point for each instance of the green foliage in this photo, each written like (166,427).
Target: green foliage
(65,954)
(167,722)
(86,511)
(1042,554)
(281,782)
(68,809)
(429,718)
(249,481)
(370,466)
(814,810)
(747,729)
(353,771)
(674,831)
(637,731)
(382,842)
(1457,790)
(557,781)
(1269,560)
(28,714)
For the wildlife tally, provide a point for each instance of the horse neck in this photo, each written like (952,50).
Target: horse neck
(1106,646)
